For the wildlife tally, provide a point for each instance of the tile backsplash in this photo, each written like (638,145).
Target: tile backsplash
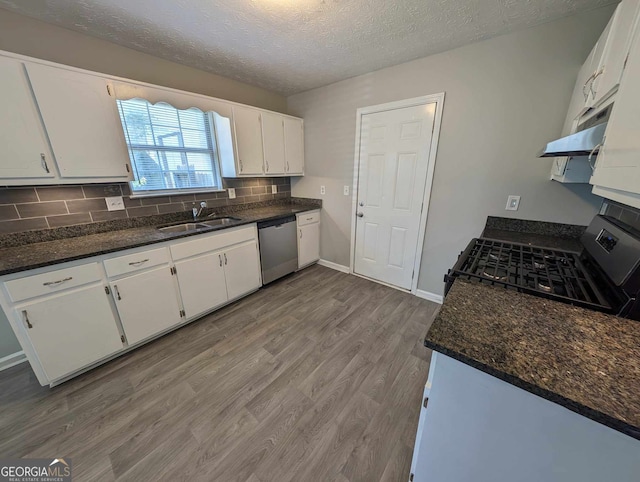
(43,207)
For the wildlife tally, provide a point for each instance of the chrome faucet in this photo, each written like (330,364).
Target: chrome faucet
(197,212)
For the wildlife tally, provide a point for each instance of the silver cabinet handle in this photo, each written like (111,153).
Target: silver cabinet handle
(287,166)
(267,166)
(593,151)
(60,281)
(25,315)
(138,263)
(301,234)
(360,214)
(43,160)
(115,288)
(225,258)
(241,165)
(220,258)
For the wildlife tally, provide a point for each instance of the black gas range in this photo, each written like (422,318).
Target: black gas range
(605,276)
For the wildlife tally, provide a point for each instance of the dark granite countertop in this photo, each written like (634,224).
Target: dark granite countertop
(37,255)
(586,361)
(565,237)
(533,239)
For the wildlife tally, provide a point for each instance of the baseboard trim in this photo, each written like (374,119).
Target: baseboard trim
(427,295)
(332,265)
(12,360)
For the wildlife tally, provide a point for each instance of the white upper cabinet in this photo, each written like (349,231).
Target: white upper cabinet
(82,122)
(618,163)
(273,139)
(248,129)
(294,146)
(614,47)
(24,149)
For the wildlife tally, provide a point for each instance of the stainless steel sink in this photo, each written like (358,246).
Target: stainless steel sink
(221,221)
(182,228)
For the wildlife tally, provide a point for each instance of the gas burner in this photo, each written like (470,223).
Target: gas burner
(497,274)
(544,287)
(502,258)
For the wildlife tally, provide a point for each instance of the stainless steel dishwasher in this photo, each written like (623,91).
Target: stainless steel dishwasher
(278,248)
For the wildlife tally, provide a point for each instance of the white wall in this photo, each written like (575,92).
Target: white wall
(505,98)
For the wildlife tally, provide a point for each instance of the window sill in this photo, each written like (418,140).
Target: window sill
(172,193)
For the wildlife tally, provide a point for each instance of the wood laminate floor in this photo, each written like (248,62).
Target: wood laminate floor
(317,377)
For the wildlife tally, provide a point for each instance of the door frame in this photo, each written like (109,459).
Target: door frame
(437,99)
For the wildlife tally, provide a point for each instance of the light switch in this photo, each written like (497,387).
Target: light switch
(346,190)
(274,189)
(323,191)
(232,192)
(115,203)
(512,203)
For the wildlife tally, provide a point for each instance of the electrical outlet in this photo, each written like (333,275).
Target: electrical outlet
(274,189)
(115,203)
(323,191)
(232,192)
(346,190)
(512,203)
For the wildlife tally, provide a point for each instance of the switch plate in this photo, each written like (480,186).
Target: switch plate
(346,190)
(274,189)
(232,192)
(114,203)
(513,202)
(323,191)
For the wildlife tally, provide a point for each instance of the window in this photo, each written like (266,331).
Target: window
(171,150)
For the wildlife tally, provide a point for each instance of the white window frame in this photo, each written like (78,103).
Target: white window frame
(219,187)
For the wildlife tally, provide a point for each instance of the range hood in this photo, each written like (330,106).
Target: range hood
(579,144)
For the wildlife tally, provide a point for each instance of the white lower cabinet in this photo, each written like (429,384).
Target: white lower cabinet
(242,269)
(202,283)
(147,303)
(70,318)
(308,238)
(70,330)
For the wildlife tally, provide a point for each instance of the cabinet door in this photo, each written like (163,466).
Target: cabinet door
(616,50)
(242,269)
(147,303)
(202,283)
(618,163)
(294,146)
(273,138)
(248,130)
(308,244)
(82,122)
(23,145)
(70,331)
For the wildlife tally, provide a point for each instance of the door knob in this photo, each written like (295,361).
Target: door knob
(360,214)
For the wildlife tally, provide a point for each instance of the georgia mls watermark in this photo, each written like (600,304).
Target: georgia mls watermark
(35,470)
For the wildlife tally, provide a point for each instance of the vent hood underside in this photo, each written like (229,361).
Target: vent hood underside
(581,143)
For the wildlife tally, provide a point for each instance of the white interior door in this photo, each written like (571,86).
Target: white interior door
(394,161)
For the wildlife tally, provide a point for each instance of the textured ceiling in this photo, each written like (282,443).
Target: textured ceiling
(289,46)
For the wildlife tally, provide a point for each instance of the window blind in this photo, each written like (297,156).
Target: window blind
(170,149)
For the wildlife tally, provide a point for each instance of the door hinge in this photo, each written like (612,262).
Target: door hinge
(107,290)
(626,59)
(128,168)
(182,314)
(411,478)
(425,402)
(109,90)
(173,270)
(122,339)
(413,273)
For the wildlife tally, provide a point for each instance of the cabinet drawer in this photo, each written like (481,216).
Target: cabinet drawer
(52,282)
(308,218)
(136,262)
(206,243)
